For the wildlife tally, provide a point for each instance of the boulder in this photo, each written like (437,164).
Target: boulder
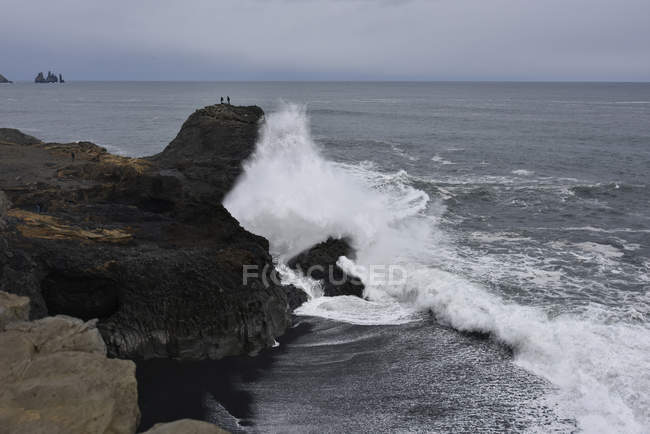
(143,244)
(57,379)
(295,297)
(319,263)
(13,308)
(185,426)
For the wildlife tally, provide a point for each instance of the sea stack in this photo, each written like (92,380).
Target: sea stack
(51,78)
(4,79)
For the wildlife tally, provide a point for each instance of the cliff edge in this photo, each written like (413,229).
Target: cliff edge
(142,244)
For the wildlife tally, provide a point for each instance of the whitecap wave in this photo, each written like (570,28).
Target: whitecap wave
(290,194)
(438,159)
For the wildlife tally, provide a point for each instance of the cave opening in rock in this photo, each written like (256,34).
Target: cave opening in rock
(80,296)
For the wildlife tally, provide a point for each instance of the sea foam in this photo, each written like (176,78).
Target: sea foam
(289,193)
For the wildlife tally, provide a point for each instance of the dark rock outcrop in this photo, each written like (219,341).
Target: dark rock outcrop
(319,263)
(295,297)
(4,79)
(210,147)
(5,204)
(51,78)
(143,244)
(17,137)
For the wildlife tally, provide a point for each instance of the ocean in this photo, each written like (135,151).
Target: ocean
(518,215)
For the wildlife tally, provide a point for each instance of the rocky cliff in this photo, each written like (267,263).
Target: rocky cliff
(4,79)
(209,149)
(142,244)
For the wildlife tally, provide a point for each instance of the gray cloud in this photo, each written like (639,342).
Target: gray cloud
(334,39)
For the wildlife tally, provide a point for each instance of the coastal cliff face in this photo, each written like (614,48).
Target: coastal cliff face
(4,79)
(211,146)
(142,244)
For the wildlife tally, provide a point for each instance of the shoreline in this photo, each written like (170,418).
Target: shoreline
(171,389)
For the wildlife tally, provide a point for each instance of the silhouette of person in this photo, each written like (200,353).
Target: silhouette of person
(72,155)
(221,100)
(228,100)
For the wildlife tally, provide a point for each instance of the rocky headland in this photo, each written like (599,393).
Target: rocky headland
(131,258)
(4,79)
(144,245)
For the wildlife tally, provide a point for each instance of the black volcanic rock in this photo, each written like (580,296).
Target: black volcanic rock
(4,79)
(143,244)
(51,78)
(319,263)
(211,145)
(295,297)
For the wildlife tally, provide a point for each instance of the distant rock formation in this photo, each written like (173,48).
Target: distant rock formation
(4,79)
(51,78)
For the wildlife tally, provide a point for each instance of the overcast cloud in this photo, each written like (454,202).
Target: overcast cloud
(327,39)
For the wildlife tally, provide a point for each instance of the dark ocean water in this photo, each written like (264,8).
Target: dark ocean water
(520,211)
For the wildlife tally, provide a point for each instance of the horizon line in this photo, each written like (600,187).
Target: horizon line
(340,81)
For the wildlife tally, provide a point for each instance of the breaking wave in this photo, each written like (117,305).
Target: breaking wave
(598,366)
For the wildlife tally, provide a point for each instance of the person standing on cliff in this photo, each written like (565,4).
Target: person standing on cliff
(221,100)
(228,99)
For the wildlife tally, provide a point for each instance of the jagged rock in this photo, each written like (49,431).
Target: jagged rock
(319,263)
(185,426)
(295,297)
(144,245)
(56,379)
(4,79)
(13,308)
(211,145)
(51,78)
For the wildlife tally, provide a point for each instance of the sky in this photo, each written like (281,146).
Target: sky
(539,40)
